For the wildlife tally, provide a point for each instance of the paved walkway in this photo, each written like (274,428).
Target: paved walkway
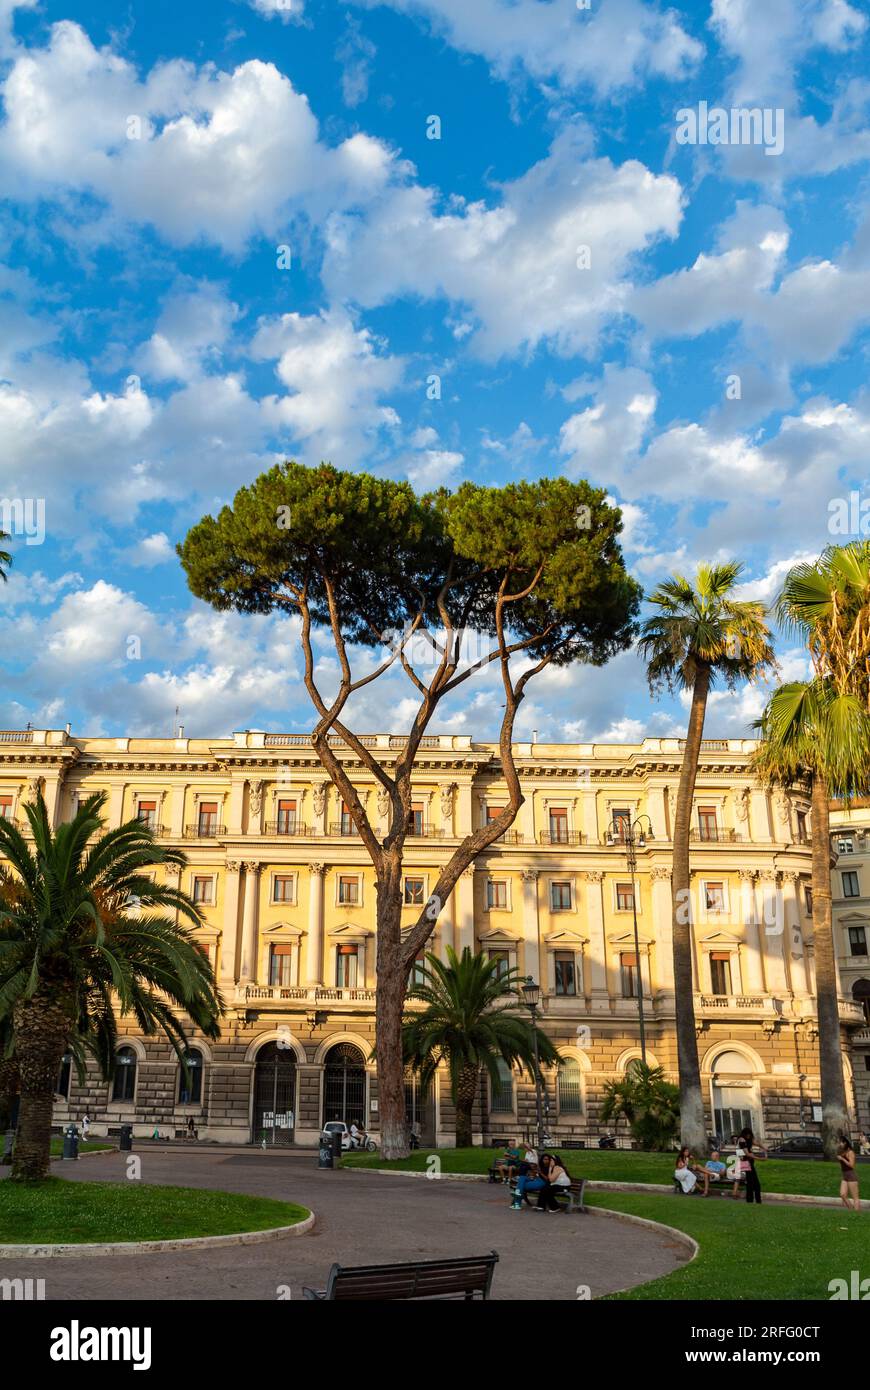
(361,1217)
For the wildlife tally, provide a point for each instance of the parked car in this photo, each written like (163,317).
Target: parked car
(798,1145)
(339,1127)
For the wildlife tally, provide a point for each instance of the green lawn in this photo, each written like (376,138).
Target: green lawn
(85,1146)
(59,1212)
(615,1165)
(750,1252)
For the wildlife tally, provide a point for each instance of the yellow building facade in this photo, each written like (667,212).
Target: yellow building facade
(287,896)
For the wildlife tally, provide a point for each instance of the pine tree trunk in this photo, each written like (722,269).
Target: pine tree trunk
(693,1130)
(834,1113)
(390,1000)
(41,1030)
(466,1091)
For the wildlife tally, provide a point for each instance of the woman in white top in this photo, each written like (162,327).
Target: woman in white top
(684,1176)
(555,1175)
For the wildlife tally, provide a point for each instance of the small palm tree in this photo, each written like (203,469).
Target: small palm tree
(700,634)
(811,733)
(649,1103)
(5,557)
(470,1022)
(76,942)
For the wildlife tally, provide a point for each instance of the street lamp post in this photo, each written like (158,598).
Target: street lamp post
(634,838)
(532,997)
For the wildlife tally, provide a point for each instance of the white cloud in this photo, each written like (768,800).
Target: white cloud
(289,11)
(613,44)
(515,265)
(151,551)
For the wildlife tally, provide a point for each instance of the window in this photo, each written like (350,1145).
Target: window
(714,897)
(846,846)
(802,833)
(283,888)
(491,813)
(566,973)
(208,818)
(417,975)
(707,826)
(146,812)
(569,1088)
(415,820)
(558,825)
(348,890)
(286,817)
(6,807)
(415,892)
(280,960)
(560,896)
(620,822)
(808,899)
(64,1076)
(203,889)
(851,886)
(628,973)
(858,941)
(190,1082)
(496,893)
(503,962)
(624,897)
(124,1084)
(720,972)
(346,967)
(503,1089)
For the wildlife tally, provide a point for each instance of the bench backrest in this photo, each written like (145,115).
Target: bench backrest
(423,1279)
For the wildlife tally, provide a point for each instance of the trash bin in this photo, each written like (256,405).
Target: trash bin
(70,1142)
(126,1139)
(325,1155)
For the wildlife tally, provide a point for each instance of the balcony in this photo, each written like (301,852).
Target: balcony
(561,837)
(861,1038)
(161,831)
(205,830)
(344,829)
(289,828)
(510,837)
(306,994)
(715,834)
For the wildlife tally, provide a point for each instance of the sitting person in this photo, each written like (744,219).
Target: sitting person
(714,1170)
(683,1174)
(358,1136)
(508,1166)
(555,1175)
(529,1180)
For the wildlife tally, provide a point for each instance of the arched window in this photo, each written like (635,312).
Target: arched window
(344,1085)
(64,1076)
(732,1063)
(124,1085)
(632,1068)
(190,1082)
(569,1087)
(503,1090)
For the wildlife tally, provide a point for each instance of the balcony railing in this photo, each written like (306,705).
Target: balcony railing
(308,993)
(16,736)
(277,827)
(510,837)
(345,828)
(715,834)
(562,837)
(159,830)
(733,1001)
(708,745)
(204,830)
(862,1036)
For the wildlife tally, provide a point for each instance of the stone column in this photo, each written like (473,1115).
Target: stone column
(115,807)
(596,987)
(248,965)
(463,897)
(229,940)
(754,982)
(759,817)
(234,809)
(663,933)
(590,817)
(176,812)
(531,926)
(314,954)
(794,937)
(771,926)
(462,809)
(445,927)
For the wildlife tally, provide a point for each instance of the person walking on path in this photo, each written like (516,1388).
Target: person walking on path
(746,1142)
(849,1191)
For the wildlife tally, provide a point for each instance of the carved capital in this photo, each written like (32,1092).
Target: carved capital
(316,868)
(659,874)
(251,867)
(530,875)
(233,866)
(594,875)
(748,875)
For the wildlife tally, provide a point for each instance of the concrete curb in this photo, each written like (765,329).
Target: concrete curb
(681,1237)
(154,1247)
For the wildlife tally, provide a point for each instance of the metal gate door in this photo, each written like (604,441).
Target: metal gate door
(274,1095)
(344,1085)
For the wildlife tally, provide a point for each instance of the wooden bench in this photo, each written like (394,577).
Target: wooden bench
(466,1278)
(570,1197)
(724,1187)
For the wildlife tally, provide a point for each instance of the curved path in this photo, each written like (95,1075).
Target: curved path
(362,1217)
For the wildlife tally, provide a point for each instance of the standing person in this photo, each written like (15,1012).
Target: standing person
(849,1191)
(86,1124)
(863,1143)
(746,1142)
(555,1175)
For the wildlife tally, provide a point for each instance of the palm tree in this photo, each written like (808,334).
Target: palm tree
(649,1103)
(76,943)
(468,1024)
(5,557)
(700,634)
(811,733)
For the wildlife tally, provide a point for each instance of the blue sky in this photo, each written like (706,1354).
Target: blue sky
(154,357)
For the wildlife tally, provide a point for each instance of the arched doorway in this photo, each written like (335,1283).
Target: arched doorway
(274,1115)
(344,1085)
(734,1095)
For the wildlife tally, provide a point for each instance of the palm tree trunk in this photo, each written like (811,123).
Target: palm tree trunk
(466,1091)
(9,1088)
(693,1130)
(41,1030)
(834,1116)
